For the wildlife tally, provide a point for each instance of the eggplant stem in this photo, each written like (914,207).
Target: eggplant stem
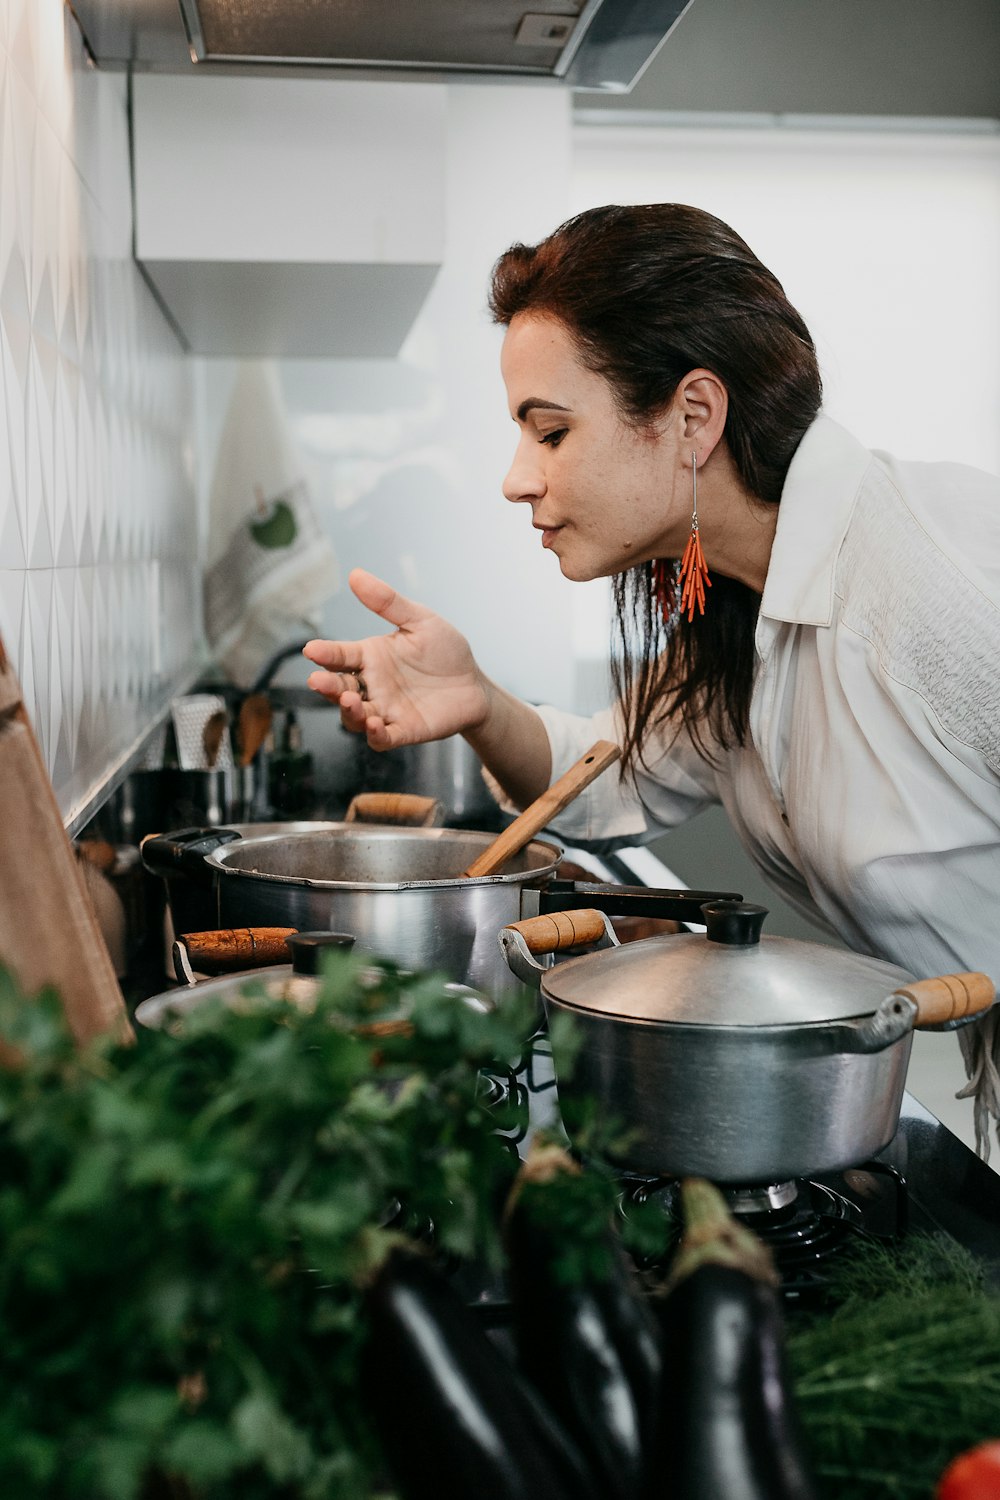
(713,1237)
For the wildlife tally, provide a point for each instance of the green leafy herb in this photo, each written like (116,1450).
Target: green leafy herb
(186,1223)
(903,1375)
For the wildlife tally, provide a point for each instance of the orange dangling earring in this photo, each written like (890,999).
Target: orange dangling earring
(693,576)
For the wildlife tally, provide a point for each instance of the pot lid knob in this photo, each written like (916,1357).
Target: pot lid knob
(735,923)
(308,948)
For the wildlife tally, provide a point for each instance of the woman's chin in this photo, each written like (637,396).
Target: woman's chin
(578,571)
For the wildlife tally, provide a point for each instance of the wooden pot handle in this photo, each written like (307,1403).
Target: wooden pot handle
(395,807)
(560,930)
(950,997)
(540,812)
(234,948)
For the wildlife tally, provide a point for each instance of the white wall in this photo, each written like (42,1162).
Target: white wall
(887,242)
(99,597)
(405,457)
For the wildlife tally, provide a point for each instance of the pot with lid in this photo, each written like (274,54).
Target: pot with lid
(296,982)
(732,1056)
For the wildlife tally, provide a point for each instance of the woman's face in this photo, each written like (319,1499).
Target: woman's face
(605,496)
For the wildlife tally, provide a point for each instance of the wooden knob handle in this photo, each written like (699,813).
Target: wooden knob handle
(234,948)
(950,997)
(395,807)
(559,795)
(560,929)
(397,1027)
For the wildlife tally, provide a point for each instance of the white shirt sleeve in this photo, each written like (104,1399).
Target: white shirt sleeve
(612,812)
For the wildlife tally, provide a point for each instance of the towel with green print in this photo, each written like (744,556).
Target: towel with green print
(271,565)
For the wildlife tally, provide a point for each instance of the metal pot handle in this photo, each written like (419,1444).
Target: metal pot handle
(230,950)
(183,852)
(405,808)
(630,900)
(950,1000)
(939,1004)
(552,934)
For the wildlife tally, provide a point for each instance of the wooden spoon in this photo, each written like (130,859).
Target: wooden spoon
(254,725)
(540,812)
(212,736)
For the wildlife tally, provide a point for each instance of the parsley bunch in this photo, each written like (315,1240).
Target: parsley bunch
(185,1225)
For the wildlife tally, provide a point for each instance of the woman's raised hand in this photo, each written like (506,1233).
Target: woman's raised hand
(419,682)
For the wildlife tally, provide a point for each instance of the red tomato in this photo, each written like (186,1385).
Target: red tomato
(974,1475)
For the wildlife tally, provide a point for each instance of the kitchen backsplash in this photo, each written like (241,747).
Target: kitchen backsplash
(99,582)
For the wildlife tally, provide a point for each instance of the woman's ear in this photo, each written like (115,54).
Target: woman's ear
(704,402)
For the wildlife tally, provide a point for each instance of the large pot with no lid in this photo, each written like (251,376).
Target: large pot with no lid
(398,890)
(743,1059)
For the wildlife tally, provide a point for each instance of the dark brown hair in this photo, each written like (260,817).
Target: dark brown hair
(649,293)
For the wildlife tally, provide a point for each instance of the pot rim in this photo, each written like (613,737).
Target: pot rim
(718,1029)
(216,858)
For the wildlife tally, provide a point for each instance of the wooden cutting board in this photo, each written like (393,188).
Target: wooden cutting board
(48,930)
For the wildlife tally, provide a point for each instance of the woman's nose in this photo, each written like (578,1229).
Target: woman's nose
(524,479)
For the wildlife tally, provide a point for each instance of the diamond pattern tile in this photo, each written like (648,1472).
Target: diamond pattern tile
(96,498)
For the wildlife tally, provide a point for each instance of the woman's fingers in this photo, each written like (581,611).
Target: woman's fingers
(334,656)
(356,716)
(341,663)
(334,685)
(378,596)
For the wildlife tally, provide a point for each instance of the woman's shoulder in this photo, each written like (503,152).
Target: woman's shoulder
(918,580)
(921,526)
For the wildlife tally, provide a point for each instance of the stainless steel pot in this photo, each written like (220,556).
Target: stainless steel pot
(178,857)
(736,1058)
(398,890)
(296,982)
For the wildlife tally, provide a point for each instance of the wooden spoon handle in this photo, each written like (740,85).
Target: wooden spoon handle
(950,997)
(544,809)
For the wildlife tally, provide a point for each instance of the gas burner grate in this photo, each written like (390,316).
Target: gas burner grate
(807,1224)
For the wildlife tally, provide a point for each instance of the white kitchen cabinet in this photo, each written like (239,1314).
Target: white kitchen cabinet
(289,216)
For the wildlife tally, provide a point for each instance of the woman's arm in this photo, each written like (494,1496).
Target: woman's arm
(421,682)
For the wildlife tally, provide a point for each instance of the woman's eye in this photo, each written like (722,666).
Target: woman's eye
(554,438)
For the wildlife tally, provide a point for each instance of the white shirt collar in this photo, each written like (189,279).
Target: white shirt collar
(817,502)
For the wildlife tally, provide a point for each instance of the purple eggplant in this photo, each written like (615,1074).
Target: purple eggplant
(589,1345)
(455,1420)
(728,1424)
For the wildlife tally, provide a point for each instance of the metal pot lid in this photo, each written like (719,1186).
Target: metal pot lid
(730,976)
(277,982)
(372,856)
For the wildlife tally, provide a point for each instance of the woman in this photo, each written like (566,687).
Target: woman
(824,659)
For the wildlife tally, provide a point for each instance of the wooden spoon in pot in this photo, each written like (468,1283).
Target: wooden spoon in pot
(540,812)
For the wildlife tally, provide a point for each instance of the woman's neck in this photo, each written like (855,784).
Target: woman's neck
(737,530)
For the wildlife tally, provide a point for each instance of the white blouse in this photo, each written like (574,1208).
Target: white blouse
(869,794)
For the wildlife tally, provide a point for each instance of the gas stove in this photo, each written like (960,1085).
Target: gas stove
(926,1180)
(808,1223)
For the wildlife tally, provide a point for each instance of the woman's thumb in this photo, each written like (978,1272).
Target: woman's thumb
(378,596)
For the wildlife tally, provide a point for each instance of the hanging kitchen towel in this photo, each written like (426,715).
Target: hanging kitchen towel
(270,566)
(980,1044)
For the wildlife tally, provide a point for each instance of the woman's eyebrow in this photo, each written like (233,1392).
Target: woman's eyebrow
(533,403)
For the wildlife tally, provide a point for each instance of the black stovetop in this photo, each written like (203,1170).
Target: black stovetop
(949,1188)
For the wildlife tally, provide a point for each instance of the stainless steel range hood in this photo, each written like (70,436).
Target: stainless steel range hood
(600,45)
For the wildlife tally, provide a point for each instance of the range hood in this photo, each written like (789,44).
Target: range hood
(599,45)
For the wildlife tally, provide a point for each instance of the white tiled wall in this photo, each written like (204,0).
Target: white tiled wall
(99,592)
